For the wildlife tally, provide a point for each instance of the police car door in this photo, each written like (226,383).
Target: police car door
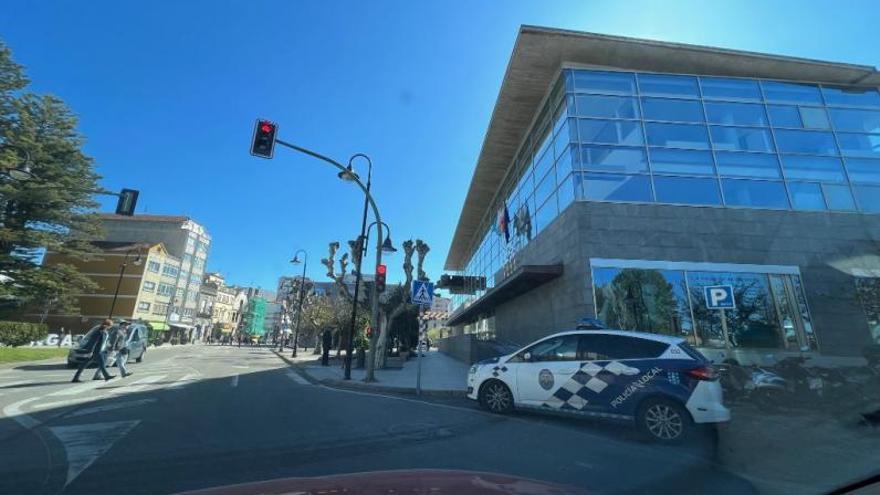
(543,367)
(612,363)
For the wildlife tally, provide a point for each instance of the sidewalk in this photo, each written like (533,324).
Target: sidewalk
(441,374)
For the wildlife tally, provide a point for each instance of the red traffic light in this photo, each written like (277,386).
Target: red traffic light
(381,270)
(263,142)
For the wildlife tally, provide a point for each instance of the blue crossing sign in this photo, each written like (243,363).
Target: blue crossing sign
(719,296)
(422,293)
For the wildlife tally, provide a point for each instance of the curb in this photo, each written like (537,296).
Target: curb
(360,386)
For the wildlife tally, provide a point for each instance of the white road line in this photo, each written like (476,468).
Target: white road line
(183,381)
(138,385)
(297,378)
(14,411)
(5,387)
(234,382)
(111,406)
(68,402)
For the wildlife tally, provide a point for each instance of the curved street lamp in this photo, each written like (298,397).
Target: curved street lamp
(302,291)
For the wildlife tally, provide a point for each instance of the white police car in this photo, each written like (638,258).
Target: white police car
(660,382)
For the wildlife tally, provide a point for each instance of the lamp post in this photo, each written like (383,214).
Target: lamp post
(349,175)
(387,247)
(302,292)
(374,306)
(21,171)
(136,262)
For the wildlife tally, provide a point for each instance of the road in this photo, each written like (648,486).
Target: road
(199,416)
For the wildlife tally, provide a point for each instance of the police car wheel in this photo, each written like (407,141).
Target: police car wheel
(663,420)
(496,397)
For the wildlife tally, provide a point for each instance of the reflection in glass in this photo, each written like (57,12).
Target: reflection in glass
(859,145)
(806,196)
(812,142)
(785,92)
(868,198)
(852,97)
(646,300)
(838,197)
(753,193)
(677,135)
(753,323)
(813,168)
(736,114)
(611,159)
(687,162)
(669,85)
(616,187)
(672,110)
(609,107)
(610,132)
(741,138)
(863,170)
(730,89)
(687,190)
(855,120)
(747,165)
(604,82)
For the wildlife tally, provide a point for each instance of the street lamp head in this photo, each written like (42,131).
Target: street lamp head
(295,259)
(21,173)
(388,246)
(348,175)
(137,260)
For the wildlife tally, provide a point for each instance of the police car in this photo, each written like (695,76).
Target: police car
(660,382)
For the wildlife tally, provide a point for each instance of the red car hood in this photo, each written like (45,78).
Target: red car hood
(423,481)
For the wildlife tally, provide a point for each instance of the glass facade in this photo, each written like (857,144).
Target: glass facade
(687,140)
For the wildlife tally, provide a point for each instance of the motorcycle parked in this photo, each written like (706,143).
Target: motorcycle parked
(751,384)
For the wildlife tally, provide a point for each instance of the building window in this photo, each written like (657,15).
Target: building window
(670,110)
(166,289)
(143,307)
(677,135)
(687,190)
(668,85)
(754,193)
(169,270)
(616,187)
(612,159)
(153,266)
(149,286)
(770,311)
(687,162)
(718,88)
(160,309)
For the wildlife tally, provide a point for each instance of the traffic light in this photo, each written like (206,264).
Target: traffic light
(264,139)
(381,270)
(127,202)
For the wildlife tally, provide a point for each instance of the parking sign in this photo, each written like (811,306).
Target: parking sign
(719,296)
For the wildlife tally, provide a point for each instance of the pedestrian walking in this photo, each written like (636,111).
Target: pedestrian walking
(325,348)
(96,344)
(61,337)
(120,345)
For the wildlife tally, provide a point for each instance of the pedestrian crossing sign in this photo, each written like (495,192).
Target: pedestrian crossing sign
(422,293)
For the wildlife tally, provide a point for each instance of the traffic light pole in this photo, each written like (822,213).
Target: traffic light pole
(374,306)
(357,277)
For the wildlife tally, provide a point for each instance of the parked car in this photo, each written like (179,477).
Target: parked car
(660,383)
(138,335)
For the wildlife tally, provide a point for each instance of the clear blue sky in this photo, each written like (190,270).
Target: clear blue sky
(167,92)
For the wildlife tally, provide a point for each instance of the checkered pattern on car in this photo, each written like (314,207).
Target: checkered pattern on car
(497,370)
(585,384)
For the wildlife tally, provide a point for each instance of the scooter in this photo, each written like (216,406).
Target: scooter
(751,384)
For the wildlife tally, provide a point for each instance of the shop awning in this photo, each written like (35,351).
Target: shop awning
(522,280)
(181,325)
(158,325)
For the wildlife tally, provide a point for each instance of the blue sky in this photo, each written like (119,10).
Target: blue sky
(167,93)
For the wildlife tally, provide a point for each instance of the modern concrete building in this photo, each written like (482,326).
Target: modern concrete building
(145,286)
(184,239)
(620,177)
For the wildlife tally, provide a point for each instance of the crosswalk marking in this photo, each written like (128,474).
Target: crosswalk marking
(78,389)
(297,378)
(138,385)
(182,381)
(62,403)
(111,406)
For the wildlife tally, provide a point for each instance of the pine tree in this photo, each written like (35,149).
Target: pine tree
(51,213)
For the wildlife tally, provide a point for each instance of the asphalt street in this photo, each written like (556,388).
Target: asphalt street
(201,416)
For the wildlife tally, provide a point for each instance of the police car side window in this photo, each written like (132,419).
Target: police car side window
(556,349)
(607,347)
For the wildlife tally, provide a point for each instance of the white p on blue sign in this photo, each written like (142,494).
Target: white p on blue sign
(719,296)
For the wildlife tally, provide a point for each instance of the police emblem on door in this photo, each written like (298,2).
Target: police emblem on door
(545,379)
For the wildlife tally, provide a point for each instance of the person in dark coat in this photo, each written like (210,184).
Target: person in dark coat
(326,344)
(96,346)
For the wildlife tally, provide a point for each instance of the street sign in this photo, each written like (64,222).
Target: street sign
(719,296)
(422,293)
